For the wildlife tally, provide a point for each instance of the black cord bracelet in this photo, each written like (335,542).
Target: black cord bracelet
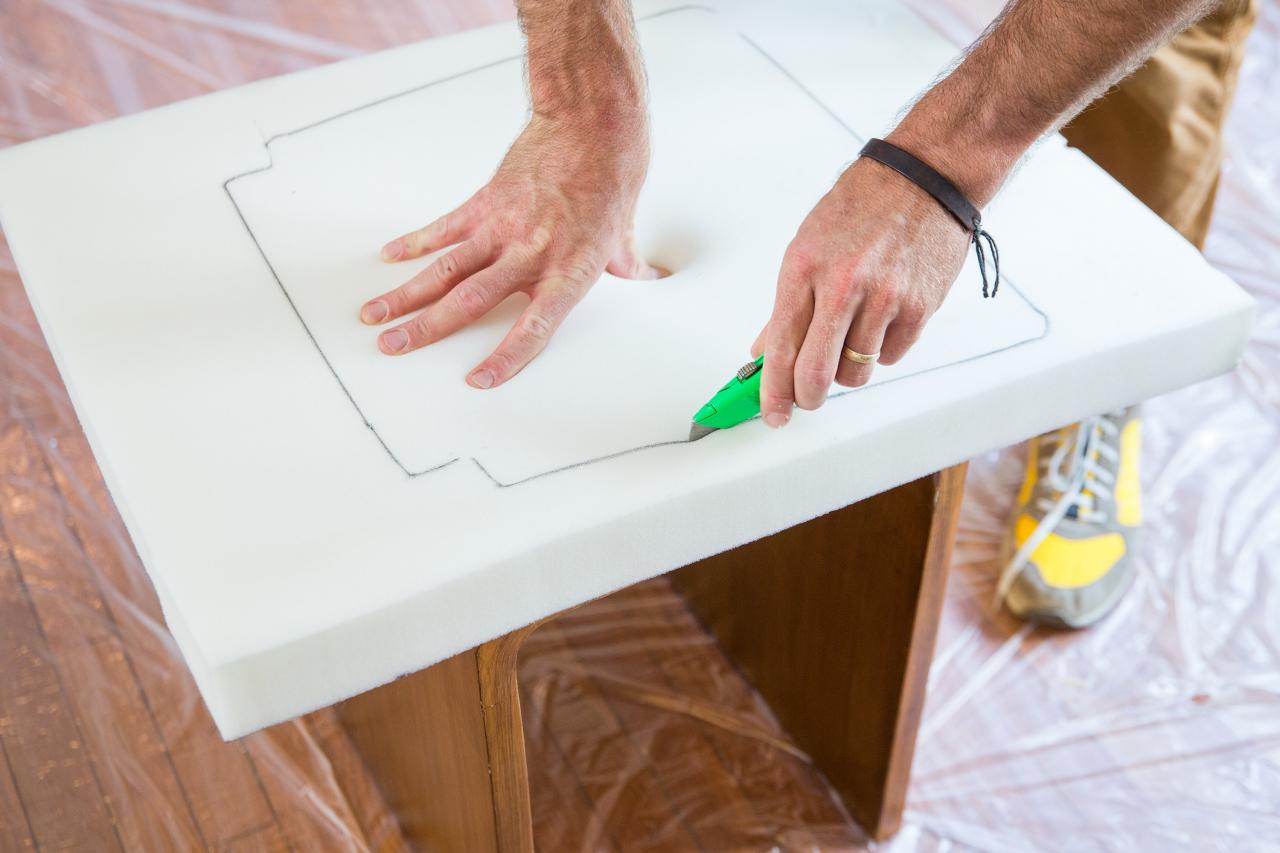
(947,194)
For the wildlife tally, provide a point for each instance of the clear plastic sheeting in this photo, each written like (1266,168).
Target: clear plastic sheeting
(642,735)
(1157,729)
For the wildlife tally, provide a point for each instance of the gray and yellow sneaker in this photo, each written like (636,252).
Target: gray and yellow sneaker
(1068,551)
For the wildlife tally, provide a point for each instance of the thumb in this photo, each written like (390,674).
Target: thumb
(628,263)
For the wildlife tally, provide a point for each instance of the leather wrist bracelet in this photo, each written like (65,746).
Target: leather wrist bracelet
(946,194)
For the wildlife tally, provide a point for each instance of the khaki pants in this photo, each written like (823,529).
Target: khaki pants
(1159,132)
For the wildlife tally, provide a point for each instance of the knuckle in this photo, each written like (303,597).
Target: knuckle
(535,247)
(472,301)
(813,375)
(850,272)
(843,288)
(560,301)
(440,227)
(446,268)
(883,296)
(576,277)
(502,362)
(854,269)
(394,300)
(800,261)
(419,330)
(524,253)
(536,327)
(913,312)
(782,358)
(540,240)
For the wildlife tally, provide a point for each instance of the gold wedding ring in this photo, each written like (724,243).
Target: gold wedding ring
(860,358)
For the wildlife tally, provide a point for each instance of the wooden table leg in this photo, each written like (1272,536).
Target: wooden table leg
(447,747)
(834,622)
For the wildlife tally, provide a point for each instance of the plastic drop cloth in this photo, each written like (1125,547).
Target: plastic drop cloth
(1158,729)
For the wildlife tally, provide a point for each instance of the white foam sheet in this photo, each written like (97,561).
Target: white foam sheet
(336,189)
(261,451)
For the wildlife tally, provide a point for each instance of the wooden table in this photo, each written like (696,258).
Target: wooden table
(833,621)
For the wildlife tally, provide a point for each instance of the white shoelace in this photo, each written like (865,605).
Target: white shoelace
(1075,472)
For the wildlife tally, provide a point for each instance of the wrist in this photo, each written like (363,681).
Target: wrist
(609,111)
(975,168)
(972,145)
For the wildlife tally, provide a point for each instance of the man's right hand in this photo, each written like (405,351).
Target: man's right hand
(556,214)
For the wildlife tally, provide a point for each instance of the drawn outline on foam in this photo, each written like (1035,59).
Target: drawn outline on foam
(226,186)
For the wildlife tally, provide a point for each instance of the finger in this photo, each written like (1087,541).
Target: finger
(901,335)
(551,303)
(792,312)
(628,263)
(866,334)
(428,285)
(820,354)
(757,346)
(454,227)
(466,303)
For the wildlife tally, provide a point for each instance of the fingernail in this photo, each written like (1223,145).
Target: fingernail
(392,250)
(482,379)
(374,312)
(395,340)
(776,420)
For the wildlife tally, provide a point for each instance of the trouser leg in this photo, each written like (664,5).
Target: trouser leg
(1159,132)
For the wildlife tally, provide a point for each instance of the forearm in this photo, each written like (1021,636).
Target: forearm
(1039,65)
(584,64)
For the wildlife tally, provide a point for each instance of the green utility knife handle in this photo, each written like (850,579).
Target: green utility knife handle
(737,401)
